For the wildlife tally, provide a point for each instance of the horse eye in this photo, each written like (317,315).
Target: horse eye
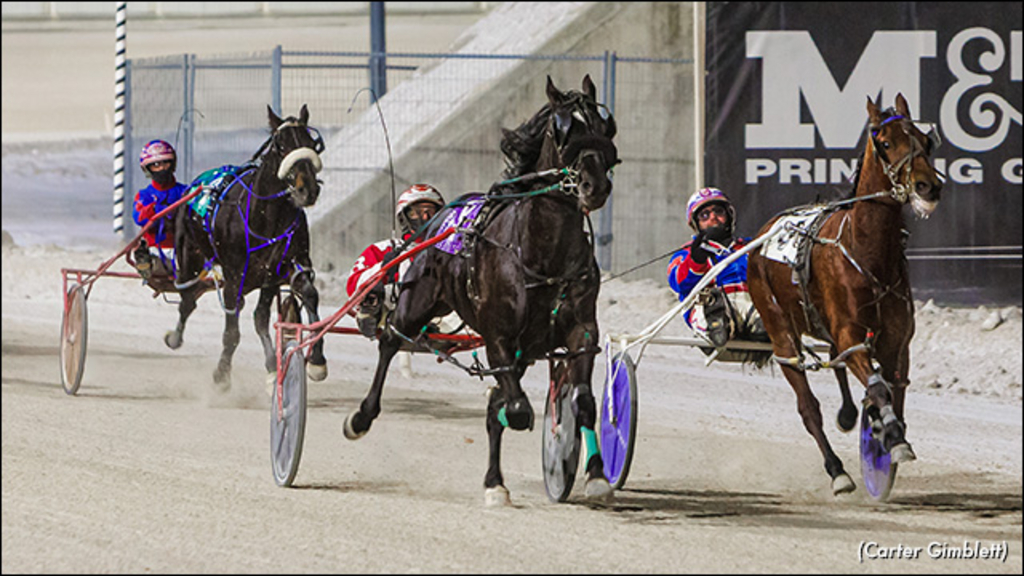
(886,145)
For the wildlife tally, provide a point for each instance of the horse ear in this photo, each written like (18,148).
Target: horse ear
(304,115)
(874,114)
(554,94)
(901,106)
(588,87)
(274,120)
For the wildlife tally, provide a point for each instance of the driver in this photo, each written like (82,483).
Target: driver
(158,162)
(415,207)
(724,310)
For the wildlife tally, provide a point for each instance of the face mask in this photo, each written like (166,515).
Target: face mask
(719,234)
(163,177)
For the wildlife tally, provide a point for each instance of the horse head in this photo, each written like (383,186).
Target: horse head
(904,152)
(578,137)
(296,148)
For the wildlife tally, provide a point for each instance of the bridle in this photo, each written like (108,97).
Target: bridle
(900,189)
(572,153)
(289,159)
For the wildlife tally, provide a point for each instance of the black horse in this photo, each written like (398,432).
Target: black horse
(256,231)
(529,283)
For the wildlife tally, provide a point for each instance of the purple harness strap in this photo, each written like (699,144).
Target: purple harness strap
(249,234)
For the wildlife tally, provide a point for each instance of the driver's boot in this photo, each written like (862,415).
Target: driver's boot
(143,261)
(717,315)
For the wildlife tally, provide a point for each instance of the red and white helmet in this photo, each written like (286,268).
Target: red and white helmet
(157,151)
(416,193)
(702,198)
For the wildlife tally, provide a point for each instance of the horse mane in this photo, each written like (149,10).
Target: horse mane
(521,146)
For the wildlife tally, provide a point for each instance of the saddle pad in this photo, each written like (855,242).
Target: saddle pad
(212,181)
(459,218)
(795,227)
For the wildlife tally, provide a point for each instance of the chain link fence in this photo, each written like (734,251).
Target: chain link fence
(213,109)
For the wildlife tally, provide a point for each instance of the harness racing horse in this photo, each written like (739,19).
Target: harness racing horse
(256,231)
(525,279)
(857,296)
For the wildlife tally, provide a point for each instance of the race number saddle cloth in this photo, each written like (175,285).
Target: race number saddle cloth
(463,218)
(792,246)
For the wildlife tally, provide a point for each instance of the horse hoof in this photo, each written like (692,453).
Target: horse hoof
(222,379)
(597,489)
(349,431)
(497,496)
(846,419)
(842,484)
(222,386)
(172,339)
(902,453)
(317,372)
(520,415)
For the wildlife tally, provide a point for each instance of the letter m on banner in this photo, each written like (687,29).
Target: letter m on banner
(792,65)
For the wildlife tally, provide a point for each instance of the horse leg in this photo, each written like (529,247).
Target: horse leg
(846,418)
(900,382)
(415,308)
(261,319)
(229,341)
(222,375)
(174,338)
(507,406)
(302,283)
(357,424)
(187,283)
(784,346)
(516,411)
(495,493)
(881,399)
(810,412)
(581,369)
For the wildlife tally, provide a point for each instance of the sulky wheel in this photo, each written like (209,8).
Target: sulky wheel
(74,335)
(288,417)
(876,465)
(561,444)
(618,419)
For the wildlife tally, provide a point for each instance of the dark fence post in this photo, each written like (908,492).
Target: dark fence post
(604,234)
(378,60)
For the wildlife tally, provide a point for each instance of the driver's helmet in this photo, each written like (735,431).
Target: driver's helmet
(417,193)
(702,198)
(157,151)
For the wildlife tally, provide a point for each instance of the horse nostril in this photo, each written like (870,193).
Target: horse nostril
(922,187)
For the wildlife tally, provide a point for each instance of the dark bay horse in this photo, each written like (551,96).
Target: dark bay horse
(529,284)
(256,231)
(858,292)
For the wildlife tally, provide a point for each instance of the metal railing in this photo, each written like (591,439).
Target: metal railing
(213,109)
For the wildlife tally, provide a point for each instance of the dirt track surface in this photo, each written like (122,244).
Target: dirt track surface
(147,469)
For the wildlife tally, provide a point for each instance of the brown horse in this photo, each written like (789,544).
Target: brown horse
(857,295)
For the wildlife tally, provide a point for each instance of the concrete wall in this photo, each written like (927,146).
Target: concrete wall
(449,135)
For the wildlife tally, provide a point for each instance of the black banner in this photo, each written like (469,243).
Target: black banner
(787,84)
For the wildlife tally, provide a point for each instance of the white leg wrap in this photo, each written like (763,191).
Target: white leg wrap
(887,414)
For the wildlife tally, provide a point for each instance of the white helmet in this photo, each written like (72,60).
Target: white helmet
(416,193)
